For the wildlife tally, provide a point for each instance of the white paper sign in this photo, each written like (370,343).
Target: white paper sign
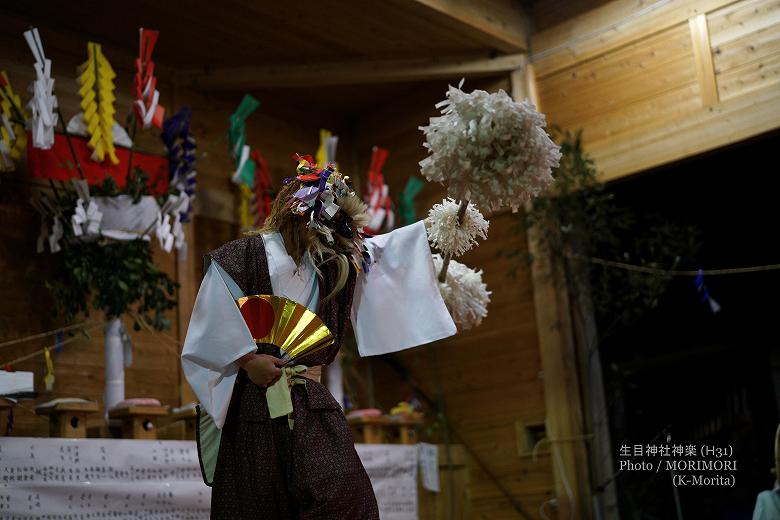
(71,479)
(429,465)
(392,469)
(96,479)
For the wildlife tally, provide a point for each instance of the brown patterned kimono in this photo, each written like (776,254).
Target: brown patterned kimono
(264,469)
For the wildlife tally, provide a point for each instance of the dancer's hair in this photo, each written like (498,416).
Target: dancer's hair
(299,239)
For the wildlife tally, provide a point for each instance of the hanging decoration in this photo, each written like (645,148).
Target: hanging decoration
(264,195)
(181,150)
(245,167)
(380,207)
(332,210)
(246,207)
(450,235)
(704,293)
(489,149)
(146,105)
(13,136)
(85,220)
(96,78)
(406,199)
(326,152)
(464,293)
(48,378)
(43,105)
(494,152)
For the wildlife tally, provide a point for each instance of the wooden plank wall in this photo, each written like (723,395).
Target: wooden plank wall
(26,307)
(658,82)
(490,376)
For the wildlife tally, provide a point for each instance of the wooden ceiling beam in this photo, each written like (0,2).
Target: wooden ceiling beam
(500,24)
(349,73)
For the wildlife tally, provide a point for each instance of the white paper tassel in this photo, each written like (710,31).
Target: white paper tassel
(464,294)
(43,104)
(448,235)
(489,149)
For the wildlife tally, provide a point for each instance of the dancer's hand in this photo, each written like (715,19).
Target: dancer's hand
(262,369)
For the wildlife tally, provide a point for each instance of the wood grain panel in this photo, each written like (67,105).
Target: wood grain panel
(738,19)
(662,113)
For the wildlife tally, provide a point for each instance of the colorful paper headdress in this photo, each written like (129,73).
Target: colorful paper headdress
(331,208)
(318,196)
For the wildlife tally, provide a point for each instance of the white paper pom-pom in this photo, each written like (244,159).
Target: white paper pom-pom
(464,293)
(489,149)
(448,235)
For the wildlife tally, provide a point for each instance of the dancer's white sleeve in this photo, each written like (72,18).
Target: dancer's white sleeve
(217,336)
(397,305)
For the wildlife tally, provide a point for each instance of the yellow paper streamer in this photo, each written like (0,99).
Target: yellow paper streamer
(96,78)
(320,157)
(12,130)
(246,209)
(48,379)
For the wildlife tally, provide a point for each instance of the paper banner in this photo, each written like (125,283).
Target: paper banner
(57,163)
(146,105)
(245,167)
(96,81)
(43,105)
(407,211)
(13,137)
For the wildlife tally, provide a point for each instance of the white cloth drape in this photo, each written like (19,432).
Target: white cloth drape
(397,305)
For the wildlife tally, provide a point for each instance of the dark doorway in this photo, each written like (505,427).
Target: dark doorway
(704,378)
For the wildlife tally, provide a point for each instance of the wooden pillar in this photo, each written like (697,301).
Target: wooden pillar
(187,274)
(702,55)
(563,404)
(187,270)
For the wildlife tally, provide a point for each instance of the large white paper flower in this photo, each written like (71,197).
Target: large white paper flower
(464,293)
(448,235)
(489,149)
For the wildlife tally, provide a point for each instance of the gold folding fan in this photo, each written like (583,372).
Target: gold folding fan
(293,328)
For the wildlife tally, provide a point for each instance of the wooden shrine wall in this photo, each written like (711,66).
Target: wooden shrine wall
(26,308)
(651,83)
(490,376)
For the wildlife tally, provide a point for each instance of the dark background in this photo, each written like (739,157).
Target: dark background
(704,378)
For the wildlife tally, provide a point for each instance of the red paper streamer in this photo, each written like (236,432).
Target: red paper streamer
(145,82)
(376,181)
(263,195)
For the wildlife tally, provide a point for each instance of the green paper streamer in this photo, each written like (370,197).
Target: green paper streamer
(412,188)
(237,124)
(237,137)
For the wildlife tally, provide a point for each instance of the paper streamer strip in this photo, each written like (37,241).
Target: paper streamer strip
(146,105)
(263,193)
(326,152)
(182,156)
(704,294)
(96,79)
(246,209)
(411,190)
(245,167)
(48,379)
(13,137)
(380,207)
(43,104)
